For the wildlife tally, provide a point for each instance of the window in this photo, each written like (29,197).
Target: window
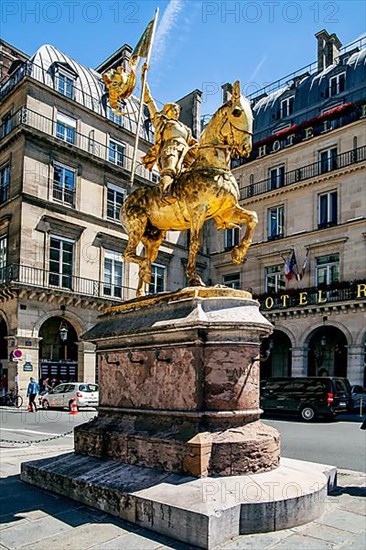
(327,209)
(276,177)
(157,279)
(61,262)
(66,128)
(115,198)
(232,281)
(3,257)
(4,183)
(328,160)
(155,177)
(275,280)
(275,222)
(116,153)
(111,115)
(65,85)
(6,124)
(287,106)
(327,270)
(337,84)
(113,270)
(64,184)
(232,237)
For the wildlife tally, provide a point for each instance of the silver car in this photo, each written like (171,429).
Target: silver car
(62,396)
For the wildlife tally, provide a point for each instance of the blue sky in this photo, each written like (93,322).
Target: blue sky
(199,44)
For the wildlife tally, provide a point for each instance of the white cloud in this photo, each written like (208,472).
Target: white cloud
(257,69)
(166,25)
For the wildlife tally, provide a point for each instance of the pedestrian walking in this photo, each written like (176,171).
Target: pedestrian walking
(363,425)
(32,391)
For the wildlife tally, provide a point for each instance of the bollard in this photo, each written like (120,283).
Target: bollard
(361,405)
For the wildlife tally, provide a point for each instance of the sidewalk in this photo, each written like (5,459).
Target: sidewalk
(35,519)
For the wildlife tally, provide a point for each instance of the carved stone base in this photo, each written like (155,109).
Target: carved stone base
(181,449)
(179,385)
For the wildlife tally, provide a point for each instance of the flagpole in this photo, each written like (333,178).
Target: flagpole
(143,85)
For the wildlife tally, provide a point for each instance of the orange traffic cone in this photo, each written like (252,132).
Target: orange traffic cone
(74,407)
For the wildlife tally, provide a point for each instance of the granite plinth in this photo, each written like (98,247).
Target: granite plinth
(179,384)
(203,512)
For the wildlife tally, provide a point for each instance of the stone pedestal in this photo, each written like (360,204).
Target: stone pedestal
(179,385)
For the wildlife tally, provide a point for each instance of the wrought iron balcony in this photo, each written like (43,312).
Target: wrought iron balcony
(305,172)
(322,295)
(30,119)
(16,276)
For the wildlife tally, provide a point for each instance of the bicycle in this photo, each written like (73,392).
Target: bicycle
(12,399)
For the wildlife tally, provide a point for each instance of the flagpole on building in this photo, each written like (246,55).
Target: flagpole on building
(143,85)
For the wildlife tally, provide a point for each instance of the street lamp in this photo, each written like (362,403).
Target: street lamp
(63,330)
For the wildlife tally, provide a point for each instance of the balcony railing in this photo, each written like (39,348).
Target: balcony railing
(70,285)
(30,119)
(78,94)
(322,295)
(305,172)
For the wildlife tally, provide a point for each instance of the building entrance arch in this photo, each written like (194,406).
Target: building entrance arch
(58,351)
(276,355)
(327,352)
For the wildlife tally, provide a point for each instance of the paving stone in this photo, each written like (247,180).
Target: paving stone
(145,540)
(82,537)
(357,543)
(262,540)
(355,505)
(32,531)
(327,533)
(299,541)
(347,521)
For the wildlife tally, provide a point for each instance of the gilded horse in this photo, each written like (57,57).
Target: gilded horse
(206,190)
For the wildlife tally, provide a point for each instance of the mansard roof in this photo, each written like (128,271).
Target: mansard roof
(311,94)
(89,87)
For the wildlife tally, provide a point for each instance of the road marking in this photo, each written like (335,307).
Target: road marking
(29,431)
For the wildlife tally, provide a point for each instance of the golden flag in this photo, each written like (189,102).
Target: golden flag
(143,44)
(120,84)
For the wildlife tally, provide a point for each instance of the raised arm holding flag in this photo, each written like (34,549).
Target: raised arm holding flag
(121,84)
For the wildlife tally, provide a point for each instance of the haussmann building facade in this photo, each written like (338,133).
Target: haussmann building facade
(306,179)
(65,165)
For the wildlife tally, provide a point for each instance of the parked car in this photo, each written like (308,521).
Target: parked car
(309,397)
(358,393)
(63,395)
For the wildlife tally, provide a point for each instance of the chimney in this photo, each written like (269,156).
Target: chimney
(226,92)
(118,58)
(329,47)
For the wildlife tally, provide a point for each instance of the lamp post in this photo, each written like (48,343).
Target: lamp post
(63,330)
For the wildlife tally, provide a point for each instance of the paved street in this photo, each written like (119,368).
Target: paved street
(20,425)
(340,443)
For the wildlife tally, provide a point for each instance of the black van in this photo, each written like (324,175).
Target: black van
(309,397)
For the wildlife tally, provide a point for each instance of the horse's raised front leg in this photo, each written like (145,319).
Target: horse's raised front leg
(239,215)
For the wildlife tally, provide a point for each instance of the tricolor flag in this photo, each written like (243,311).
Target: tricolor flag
(305,263)
(290,265)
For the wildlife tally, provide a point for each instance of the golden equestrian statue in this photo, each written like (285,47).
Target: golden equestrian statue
(199,182)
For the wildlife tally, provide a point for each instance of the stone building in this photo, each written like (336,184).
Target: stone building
(306,180)
(65,165)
